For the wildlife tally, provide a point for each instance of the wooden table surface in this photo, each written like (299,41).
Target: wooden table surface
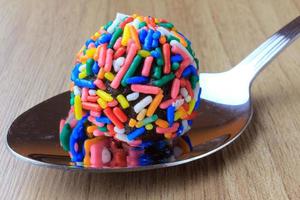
(38,42)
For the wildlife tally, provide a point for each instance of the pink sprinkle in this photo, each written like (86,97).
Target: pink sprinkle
(146,89)
(175,88)
(129,43)
(182,82)
(119,52)
(102,55)
(135,143)
(85,93)
(99,83)
(182,67)
(177,50)
(96,154)
(147,66)
(112,103)
(168,130)
(61,125)
(92,99)
(97,132)
(166,104)
(166,52)
(95,113)
(93,120)
(117,45)
(73,123)
(91,45)
(189,88)
(128,60)
(108,60)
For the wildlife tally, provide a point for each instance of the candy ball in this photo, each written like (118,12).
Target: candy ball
(134,81)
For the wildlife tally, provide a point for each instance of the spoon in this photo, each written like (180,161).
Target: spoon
(225,112)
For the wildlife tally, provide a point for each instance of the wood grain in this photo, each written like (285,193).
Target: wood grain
(38,41)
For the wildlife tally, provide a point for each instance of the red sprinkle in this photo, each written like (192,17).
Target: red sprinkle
(109,113)
(91,106)
(120,114)
(146,89)
(166,52)
(119,52)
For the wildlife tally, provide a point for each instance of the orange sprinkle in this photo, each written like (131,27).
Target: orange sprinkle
(90,129)
(162,123)
(162,39)
(71,86)
(154,104)
(181,39)
(101,73)
(96,55)
(135,36)
(132,122)
(83,58)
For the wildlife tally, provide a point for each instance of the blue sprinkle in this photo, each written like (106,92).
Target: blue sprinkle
(88,42)
(156,35)
(142,35)
(190,70)
(190,122)
(170,115)
(84,83)
(155,43)
(176,58)
(78,137)
(75,72)
(136,133)
(189,42)
(155,54)
(197,105)
(105,38)
(188,141)
(137,79)
(148,40)
(95,67)
(179,130)
(103,119)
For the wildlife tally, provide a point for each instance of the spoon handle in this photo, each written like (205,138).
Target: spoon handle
(250,67)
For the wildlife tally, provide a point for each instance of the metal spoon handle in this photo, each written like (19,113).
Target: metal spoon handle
(250,67)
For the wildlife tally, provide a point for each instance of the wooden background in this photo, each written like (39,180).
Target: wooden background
(38,42)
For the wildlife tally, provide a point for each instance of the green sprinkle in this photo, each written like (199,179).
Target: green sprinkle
(146,121)
(194,81)
(84,51)
(142,24)
(159,61)
(64,137)
(190,50)
(103,129)
(165,79)
(157,72)
(115,36)
(166,25)
(89,65)
(72,98)
(171,37)
(197,62)
(175,65)
(107,25)
(159,51)
(133,67)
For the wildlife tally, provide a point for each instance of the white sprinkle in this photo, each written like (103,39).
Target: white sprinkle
(117,130)
(118,19)
(122,137)
(142,104)
(196,91)
(118,63)
(163,31)
(82,67)
(186,127)
(92,92)
(106,155)
(184,92)
(133,96)
(178,103)
(77,90)
(136,23)
(188,98)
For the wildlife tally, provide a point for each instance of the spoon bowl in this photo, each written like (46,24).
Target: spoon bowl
(225,112)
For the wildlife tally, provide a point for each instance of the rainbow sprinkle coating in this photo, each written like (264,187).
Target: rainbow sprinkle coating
(135,81)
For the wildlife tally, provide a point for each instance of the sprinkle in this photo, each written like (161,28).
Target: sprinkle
(175,88)
(171,129)
(77,107)
(154,104)
(92,92)
(92,99)
(165,79)
(157,72)
(132,122)
(162,123)
(101,73)
(123,102)
(99,84)
(133,96)
(77,90)
(109,113)
(104,95)
(184,92)
(91,106)
(108,60)
(136,133)
(133,67)
(117,44)
(102,55)
(120,114)
(95,113)
(103,120)
(118,63)
(146,121)
(109,76)
(146,89)
(137,80)
(115,36)
(126,21)
(126,35)
(102,103)
(119,52)
(191,106)
(170,114)
(149,127)
(142,104)
(148,40)
(135,36)
(113,103)
(166,52)
(180,113)
(119,131)
(89,65)
(189,89)
(147,66)
(144,53)
(116,82)
(141,115)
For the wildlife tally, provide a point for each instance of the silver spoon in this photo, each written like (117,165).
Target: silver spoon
(225,112)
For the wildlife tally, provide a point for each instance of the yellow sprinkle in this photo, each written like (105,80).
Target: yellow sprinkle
(141,115)
(104,95)
(156,20)
(123,101)
(82,74)
(140,18)
(109,76)
(97,35)
(102,103)
(126,35)
(149,127)
(191,106)
(77,107)
(132,122)
(144,53)
(90,52)
(180,113)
